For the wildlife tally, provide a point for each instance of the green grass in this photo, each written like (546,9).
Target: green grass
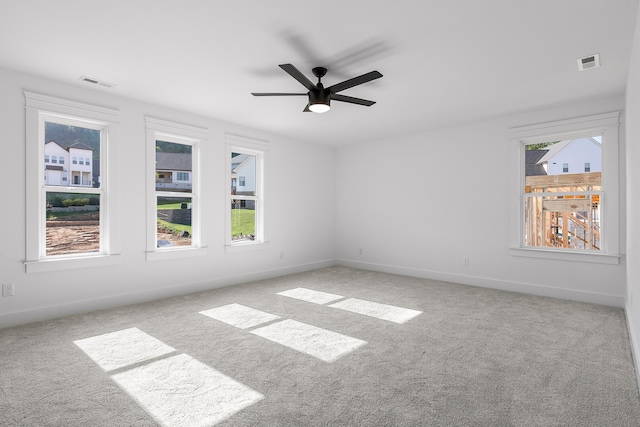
(173,228)
(243,222)
(170,206)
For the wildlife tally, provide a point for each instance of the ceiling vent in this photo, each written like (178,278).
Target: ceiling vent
(97,82)
(588,62)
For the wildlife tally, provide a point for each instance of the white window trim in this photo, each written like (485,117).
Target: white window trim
(37,107)
(260,149)
(605,124)
(181,134)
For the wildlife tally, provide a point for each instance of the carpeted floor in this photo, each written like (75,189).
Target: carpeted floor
(363,349)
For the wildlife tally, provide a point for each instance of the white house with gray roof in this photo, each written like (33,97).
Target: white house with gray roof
(69,167)
(573,156)
(174,171)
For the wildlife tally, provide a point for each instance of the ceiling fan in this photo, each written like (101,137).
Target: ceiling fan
(319,96)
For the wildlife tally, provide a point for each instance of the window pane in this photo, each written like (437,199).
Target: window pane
(173,221)
(567,156)
(65,142)
(243,220)
(563,221)
(173,167)
(72,223)
(243,174)
(567,175)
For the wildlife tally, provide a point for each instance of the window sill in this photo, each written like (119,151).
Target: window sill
(58,264)
(559,255)
(176,253)
(246,247)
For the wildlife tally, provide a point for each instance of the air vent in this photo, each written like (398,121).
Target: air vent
(589,62)
(97,82)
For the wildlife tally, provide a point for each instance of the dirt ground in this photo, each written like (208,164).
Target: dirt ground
(81,234)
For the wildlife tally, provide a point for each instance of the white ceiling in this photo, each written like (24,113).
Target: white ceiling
(444,61)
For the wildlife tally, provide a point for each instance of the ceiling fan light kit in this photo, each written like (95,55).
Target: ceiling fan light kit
(319,96)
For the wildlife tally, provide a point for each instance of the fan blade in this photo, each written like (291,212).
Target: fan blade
(352,100)
(306,109)
(278,94)
(296,74)
(354,81)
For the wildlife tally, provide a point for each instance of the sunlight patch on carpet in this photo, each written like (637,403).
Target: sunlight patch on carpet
(377,310)
(309,295)
(240,316)
(317,342)
(123,348)
(181,391)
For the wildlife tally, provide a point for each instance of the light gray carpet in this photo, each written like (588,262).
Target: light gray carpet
(474,357)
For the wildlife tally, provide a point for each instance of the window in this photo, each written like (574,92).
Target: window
(86,162)
(46,158)
(565,215)
(246,161)
(69,226)
(75,160)
(54,159)
(173,206)
(81,161)
(61,160)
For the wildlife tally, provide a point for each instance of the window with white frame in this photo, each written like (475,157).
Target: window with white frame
(68,222)
(246,163)
(174,208)
(562,212)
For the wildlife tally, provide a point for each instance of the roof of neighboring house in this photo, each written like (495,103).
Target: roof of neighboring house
(80,146)
(173,161)
(237,161)
(559,146)
(53,142)
(532,165)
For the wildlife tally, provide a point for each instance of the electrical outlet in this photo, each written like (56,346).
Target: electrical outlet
(7,289)
(465,261)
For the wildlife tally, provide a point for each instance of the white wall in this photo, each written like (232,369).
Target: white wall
(633,196)
(303,230)
(456,206)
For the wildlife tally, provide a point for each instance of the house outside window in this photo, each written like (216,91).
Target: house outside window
(46,158)
(246,201)
(75,160)
(173,206)
(68,227)
(562,215)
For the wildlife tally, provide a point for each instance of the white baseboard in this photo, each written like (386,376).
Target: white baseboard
(61,310)
(635,350)
(527,288)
